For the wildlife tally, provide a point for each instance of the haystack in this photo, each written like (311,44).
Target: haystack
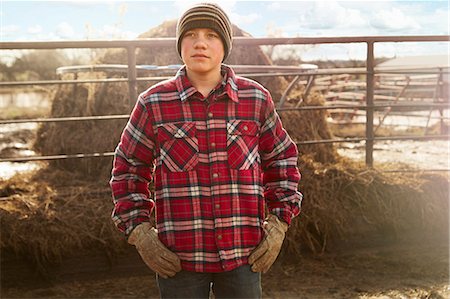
(305,125)
(346,201)
(49,215)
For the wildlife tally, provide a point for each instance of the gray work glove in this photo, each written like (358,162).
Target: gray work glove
(157,257)
(267,251)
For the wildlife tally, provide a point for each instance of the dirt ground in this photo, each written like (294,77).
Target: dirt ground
(418,269)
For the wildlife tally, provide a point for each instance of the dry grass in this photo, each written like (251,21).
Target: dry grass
(84,136)
(47,215)
(345,200)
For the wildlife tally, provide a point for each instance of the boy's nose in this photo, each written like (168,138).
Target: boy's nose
(200,43)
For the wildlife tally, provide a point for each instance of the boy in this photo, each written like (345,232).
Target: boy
(216,150)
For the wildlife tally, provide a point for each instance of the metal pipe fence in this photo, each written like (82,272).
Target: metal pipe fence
(255,71)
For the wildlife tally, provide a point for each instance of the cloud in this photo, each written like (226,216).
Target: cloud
(242,20)
(182,5)
(435,23)
(273,6)
(65,31)
(9,30)
(35,29)
(393,19)
(113,32)
(409,49)
(107,32)
(331,14)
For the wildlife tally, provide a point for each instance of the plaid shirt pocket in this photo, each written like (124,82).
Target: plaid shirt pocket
(242,144)
(178,146)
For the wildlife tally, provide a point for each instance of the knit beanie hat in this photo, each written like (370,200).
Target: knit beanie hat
(206,15)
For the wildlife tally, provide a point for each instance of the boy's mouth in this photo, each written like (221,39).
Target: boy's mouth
(199,56)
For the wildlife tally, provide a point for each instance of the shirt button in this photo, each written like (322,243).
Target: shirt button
(213,144)
(215,175)
(210,114)
(219,237)
(217,206)
(245,128)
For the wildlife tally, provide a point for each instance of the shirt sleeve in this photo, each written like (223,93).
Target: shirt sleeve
(281,176)
(132,171)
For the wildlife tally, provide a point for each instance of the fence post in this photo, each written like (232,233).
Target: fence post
(369,103)
(132,85)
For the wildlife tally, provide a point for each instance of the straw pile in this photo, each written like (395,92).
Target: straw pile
(346,201)
(48,215)
(84,136)
(310,125)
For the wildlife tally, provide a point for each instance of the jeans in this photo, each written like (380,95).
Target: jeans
(238,283)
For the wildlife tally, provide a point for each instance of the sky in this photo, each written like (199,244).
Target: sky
(93,20)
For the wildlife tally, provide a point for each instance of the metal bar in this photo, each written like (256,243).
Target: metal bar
(370,82)
(307,89)
(301,143)
(412,137)
(126,116)
(64,119)
(56,157)
(435,98)
(390,108)
(58,82)
(288,89)
(51,82)
(132,84)
(414,170)
(318,72)
(404,71)
(311,142)
(355,71)
(247,41)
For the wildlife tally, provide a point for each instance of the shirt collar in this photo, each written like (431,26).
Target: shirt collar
(227,86)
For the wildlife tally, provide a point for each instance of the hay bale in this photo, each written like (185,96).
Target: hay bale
(48,215)
(84,136)
(347,201)
(311,125)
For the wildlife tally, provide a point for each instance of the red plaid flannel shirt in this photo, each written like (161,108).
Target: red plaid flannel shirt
(216,164)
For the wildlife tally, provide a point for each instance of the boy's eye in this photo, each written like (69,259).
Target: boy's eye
(213,35)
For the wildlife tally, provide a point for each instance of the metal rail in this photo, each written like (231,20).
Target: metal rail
(306,108)
(238,41)
(300,143)
(317,72)
(131,45)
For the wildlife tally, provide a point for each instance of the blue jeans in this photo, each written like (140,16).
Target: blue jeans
(241,282)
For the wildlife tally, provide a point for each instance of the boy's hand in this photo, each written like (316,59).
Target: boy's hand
(267,251)
(157,257)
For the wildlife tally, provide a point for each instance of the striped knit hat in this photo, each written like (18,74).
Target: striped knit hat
(206,15)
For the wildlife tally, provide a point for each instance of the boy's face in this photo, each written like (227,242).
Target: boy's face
(202,50)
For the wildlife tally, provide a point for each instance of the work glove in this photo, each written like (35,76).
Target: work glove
(157,257)
(267,251)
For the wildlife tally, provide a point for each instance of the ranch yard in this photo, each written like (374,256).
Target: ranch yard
(373,269)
